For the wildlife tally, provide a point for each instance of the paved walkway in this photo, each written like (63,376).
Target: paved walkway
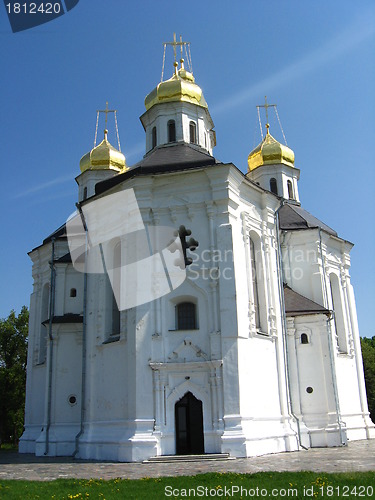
(357,456)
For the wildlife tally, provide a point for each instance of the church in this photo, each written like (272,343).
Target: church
(250,347)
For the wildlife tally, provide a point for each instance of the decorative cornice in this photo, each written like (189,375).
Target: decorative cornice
(187,365)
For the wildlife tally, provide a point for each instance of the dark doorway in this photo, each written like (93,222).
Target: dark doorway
(189,426)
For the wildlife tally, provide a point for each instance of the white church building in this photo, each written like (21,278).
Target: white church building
(256,351)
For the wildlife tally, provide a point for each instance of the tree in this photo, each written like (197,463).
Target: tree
(13,357)
(368,356)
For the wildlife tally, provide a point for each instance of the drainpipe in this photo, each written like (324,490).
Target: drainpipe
(331,354)
(51,315)
(284,325)
(83,374)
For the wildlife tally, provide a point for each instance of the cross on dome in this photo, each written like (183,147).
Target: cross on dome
(183,46)
(175,44)
(266,106)
(106,111)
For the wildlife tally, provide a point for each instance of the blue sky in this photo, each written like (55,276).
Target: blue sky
(314,59)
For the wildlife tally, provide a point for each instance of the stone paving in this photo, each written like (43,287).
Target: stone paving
(357,456)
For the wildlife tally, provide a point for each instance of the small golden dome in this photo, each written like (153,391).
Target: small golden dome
(181,87)
(270,152)
(102,157)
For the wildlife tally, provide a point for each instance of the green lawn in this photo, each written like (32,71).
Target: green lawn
(4,447)
(213,485)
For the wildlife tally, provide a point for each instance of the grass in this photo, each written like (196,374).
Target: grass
(270,484)
(8,447)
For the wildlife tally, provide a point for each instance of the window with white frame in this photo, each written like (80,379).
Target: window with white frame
(186,316)
(304,338)
(171,131)
(254,278)
(290,190)
(154,137)
(193,132)
(338,313)
(273,186)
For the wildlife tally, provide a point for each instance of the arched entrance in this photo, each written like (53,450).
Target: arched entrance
(189,425)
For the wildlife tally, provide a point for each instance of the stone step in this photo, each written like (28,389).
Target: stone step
(189,458)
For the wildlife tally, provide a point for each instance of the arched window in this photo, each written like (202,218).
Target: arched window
(304,338)
(186,316)
(290,190)
(273,186)
(44,324)
(154,137)
(193,132)
(73,292)
(84,193)
(338,312)
(171,131)
(254,278)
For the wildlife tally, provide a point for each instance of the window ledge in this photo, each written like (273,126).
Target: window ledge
(263,335)
(187,330)
(40,363)
(111,339)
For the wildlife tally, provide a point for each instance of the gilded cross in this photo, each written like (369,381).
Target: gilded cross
(106,111)
(266,106)
(175,44)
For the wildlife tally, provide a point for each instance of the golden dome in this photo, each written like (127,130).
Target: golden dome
(270,152)
(181,87)
(102,157)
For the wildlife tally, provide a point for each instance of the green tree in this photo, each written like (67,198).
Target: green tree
(13,356)
(368,356)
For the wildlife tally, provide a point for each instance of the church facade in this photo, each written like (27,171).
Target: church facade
(257,350)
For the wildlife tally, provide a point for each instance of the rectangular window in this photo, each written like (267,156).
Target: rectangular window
(255,283)
(186,316)
(171,131)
